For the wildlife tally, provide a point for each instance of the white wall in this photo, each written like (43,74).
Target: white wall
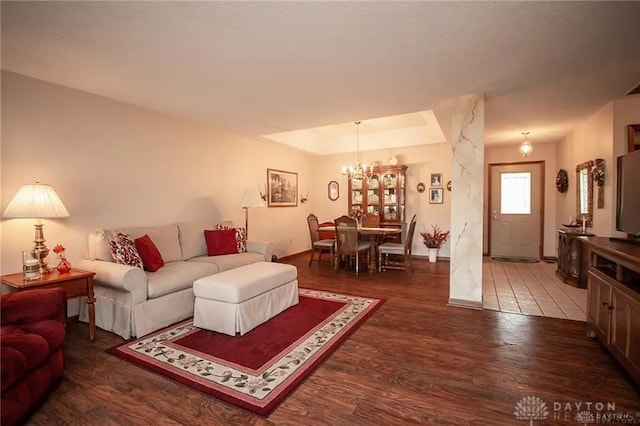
(625,111)
(509,154)
(114,164)
(603,135)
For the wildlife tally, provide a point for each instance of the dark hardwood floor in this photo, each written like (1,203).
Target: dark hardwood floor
(415,361)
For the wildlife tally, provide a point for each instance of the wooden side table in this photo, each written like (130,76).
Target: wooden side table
(572,257)
(75,282)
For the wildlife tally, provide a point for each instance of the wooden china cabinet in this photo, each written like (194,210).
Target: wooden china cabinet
(383,193)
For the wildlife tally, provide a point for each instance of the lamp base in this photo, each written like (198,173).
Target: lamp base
(40,251)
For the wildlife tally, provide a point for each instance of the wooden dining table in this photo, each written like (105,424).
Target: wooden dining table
(374,236)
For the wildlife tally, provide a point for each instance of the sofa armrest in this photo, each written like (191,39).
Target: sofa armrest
(33,305)
(264,248)
(119,277)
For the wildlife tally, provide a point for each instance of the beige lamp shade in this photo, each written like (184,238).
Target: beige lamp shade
(251,198)
(36,201)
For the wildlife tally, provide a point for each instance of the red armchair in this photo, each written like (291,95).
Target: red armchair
(31,344)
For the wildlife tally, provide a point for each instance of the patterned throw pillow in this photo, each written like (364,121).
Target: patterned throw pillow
(241,237)
(123,250)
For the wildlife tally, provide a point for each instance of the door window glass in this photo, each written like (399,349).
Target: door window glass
(515,193)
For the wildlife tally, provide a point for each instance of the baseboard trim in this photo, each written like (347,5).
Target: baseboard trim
(426,257)
(462,303)
(294,255)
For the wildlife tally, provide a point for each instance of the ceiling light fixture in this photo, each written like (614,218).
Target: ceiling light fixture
(359,171)
(526,148)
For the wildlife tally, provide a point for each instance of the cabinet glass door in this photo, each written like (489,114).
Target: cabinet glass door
(357,195)
(390,197)
(373,194)
(401,196)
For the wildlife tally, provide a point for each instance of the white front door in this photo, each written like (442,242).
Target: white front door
(515,210)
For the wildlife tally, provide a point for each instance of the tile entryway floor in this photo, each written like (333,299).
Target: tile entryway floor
(530,289)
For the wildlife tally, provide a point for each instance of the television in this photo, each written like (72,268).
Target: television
(628,196)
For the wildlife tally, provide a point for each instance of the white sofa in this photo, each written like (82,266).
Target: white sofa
(133,302)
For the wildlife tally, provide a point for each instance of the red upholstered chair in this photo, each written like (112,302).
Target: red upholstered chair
(31,344)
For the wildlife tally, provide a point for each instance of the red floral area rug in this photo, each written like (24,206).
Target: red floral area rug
(259,370)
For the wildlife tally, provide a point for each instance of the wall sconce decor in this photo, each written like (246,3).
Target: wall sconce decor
(562,181)
(598,178)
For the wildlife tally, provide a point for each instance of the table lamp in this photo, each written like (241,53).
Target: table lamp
(37,201)
(250,198)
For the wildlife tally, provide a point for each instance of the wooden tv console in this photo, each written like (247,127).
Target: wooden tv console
(613,299)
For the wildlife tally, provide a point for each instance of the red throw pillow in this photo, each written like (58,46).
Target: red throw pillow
(151,257)
(241,237)
(221,242)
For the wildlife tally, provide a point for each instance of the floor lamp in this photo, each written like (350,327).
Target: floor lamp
(250,198)
(37,201)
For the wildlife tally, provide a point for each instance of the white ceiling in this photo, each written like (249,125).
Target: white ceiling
(267,68)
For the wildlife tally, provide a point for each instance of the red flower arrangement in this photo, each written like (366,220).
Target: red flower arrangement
(356,213)
(434,239)
(64,265)
(59,250)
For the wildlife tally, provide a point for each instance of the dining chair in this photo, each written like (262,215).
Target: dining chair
(399,250)
(317,244)
(347,242)
(371,220)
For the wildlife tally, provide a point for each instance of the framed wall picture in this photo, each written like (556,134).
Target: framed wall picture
(333,190)
(436,179)
(436,196)
(282,188)
(421,187)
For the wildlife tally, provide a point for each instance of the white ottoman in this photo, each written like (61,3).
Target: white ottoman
(240,299)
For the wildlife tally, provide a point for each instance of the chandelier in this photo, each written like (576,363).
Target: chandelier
(359,171)
(526,148)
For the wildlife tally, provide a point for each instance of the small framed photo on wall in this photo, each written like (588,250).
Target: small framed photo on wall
(333,190)
(436,179)
(436,196)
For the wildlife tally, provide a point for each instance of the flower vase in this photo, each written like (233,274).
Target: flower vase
(433,255)
(64,266)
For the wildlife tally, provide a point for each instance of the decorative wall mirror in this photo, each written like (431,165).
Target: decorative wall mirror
(584,192)
(333,190)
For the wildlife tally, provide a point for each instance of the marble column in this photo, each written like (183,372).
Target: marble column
(467,127)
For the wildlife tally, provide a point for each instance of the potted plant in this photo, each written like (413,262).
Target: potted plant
(434,240)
